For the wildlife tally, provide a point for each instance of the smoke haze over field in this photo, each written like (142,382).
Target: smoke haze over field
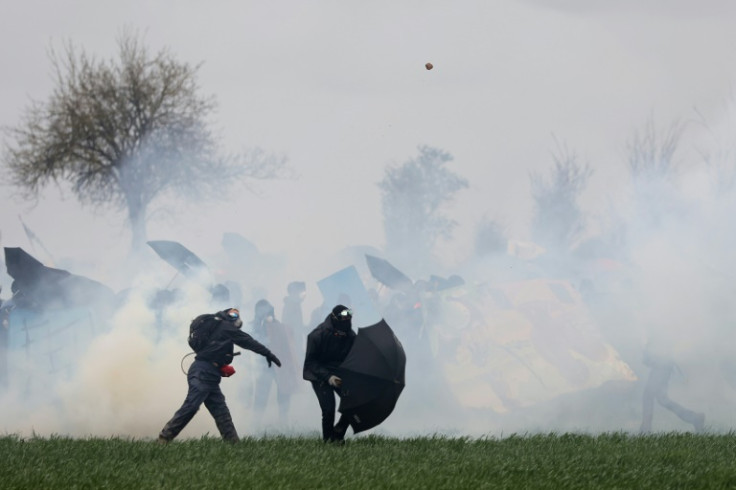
(342,91)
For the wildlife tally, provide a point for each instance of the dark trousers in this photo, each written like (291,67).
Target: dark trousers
(204,387)
(326,397)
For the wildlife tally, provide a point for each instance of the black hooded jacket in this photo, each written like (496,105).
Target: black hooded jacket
(327,347)
(220,347)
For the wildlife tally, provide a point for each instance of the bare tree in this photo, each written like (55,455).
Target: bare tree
(651,154)
(413,195)
(558,220)
(719,158)
(654,170)
(125,132)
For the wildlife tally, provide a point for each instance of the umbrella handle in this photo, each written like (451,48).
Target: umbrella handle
(172,280)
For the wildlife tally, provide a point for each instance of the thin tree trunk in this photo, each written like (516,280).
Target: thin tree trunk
(137,218)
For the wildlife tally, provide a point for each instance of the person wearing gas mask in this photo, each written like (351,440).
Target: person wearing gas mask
(267,329)
(212,362)
(327,346)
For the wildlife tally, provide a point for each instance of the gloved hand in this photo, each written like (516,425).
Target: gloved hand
(227,370)
(272,359)
(334,381)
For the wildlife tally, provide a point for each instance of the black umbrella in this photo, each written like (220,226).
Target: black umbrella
(385,273)
(39,286)
(372,376)
(181,258)
(26,269)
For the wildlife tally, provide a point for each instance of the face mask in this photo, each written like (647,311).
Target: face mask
(343,320)
(343,325)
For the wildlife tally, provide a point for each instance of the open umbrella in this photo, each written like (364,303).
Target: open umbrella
(181,258)
(38,285)
(385,273)
(372,376)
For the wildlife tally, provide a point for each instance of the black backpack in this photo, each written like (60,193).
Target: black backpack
(200,330)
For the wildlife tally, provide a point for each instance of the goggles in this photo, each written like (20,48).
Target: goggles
(345,314)
(233,314)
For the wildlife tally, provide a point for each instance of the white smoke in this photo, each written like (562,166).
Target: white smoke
(491,100)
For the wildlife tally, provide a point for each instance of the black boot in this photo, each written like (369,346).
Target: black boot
(338,432)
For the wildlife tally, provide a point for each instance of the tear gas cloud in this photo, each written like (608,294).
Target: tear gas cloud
(479,363)
(533,339)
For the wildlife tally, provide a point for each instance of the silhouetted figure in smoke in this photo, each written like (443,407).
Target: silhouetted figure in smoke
(291,314)
(280,337)
(407,315)
(661,369)
(5,307)
(220,296)
(327,346)
(317,316)
(162,299)
(212,362)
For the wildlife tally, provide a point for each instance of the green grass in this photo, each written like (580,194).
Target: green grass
(566,461)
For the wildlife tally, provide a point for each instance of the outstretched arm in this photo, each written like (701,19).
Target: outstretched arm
(245,341)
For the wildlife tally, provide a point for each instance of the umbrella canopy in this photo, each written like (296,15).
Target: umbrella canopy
(39,286)
(181,258)
(25,268)
(372,376)
(388,275)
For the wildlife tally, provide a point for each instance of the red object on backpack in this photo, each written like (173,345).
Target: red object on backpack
(227,370)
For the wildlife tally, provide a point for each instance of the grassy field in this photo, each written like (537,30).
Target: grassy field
(535,461)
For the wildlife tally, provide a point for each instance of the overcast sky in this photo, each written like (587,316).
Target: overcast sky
(340,88)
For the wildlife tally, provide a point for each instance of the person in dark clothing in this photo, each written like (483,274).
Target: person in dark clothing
(291,313)
(293,303)
(210,364)
(327,346)
(161,300)
(662,367)
(267,329)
